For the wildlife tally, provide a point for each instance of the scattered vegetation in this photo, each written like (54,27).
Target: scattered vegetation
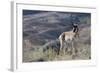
(83,52)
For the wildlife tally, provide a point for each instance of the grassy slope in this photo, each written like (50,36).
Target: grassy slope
(82,46)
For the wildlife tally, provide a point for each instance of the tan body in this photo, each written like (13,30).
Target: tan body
(66,36)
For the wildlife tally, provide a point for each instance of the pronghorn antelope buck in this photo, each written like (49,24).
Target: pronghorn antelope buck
(69,36)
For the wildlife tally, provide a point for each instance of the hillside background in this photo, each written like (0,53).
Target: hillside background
(41,30)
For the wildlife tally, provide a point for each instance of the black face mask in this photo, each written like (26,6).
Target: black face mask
(75,29)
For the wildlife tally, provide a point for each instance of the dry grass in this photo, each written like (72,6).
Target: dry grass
(83,53)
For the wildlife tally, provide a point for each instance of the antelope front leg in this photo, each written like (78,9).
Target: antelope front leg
(61,45)
(73,51)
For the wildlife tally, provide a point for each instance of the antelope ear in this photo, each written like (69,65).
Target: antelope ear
(75,24)
(72,25)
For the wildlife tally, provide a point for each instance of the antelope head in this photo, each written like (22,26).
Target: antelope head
(76,29)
